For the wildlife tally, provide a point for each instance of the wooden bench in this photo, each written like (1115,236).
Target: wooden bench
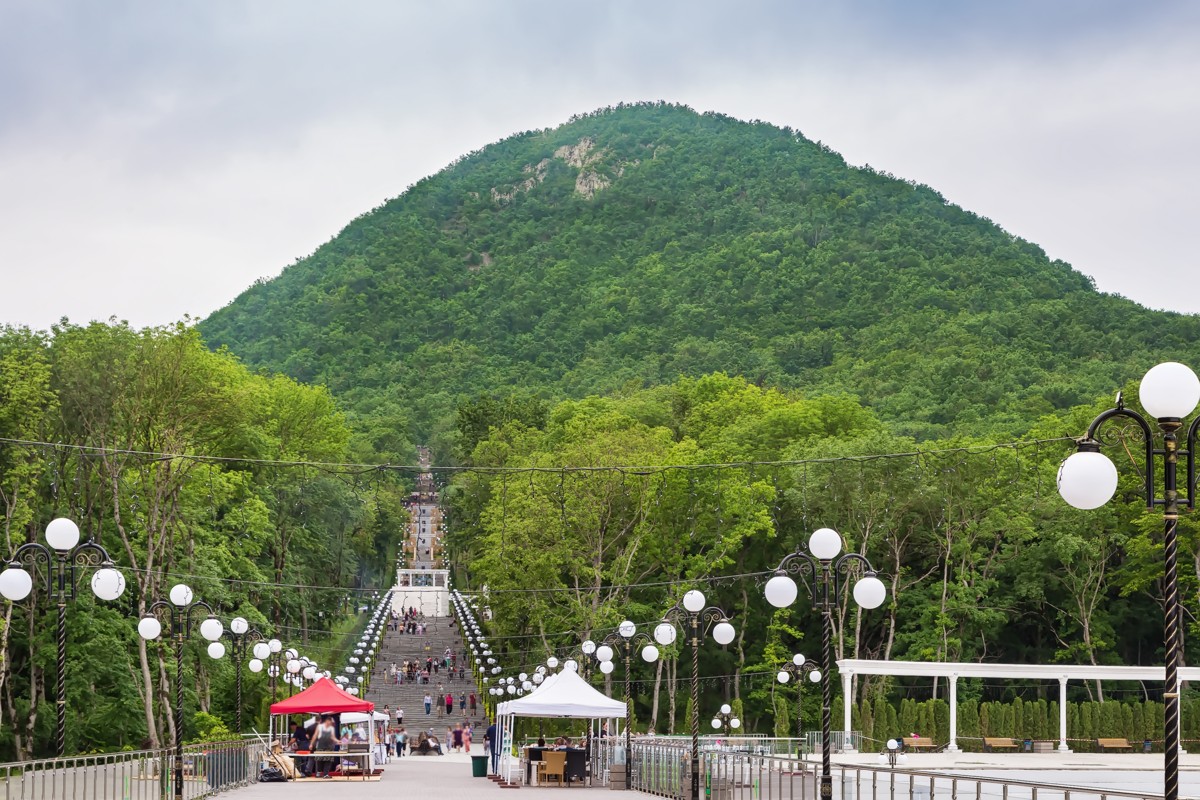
(1104,745)
(993,743)
(918,743)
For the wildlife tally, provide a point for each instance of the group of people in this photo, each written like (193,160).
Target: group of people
(458,737)
(411,670)
(324,738)
(446,701)
(411,621)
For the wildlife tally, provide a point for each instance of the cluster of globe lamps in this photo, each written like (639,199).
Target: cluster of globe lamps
(486,665)
(358,665)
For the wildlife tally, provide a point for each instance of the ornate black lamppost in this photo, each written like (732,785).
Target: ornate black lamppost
(691,612)
(1088,479)
(178,614)
(626,637)
(799,668)
(240,633)
(823,573)
(62,558)
(272,659)
(725,719)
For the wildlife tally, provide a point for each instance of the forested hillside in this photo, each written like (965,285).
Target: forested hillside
(187,468)
(637,244)
(589,512)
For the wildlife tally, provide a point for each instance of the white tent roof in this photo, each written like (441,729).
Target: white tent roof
(564,695)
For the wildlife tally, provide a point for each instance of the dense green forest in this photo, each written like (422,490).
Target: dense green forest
(284,547)
(638,244)
(654,349)
(588,512)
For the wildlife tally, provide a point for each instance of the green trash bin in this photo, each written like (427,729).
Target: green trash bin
(479,766)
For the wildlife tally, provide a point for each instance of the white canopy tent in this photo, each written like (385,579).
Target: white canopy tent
(563,695)
(952,671)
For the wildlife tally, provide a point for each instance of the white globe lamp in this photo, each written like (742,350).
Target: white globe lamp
(825,544)
(781,591)
(1087,479)
(15,583)
(108,583)
(869,592)
(149,628)
(1168,391)
(62,534)
(181,594)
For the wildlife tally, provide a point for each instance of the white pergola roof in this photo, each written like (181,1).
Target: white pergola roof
(1049,672)
(953,670)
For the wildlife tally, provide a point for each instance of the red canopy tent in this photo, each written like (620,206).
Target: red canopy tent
(323,697)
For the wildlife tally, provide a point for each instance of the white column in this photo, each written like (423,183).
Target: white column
(1062,715)
(952,747)
(1179,693)
(847,677)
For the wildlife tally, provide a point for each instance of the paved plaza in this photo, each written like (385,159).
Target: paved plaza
(450,775)
(447,776)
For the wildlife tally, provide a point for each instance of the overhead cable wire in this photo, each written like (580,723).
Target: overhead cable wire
(628,469)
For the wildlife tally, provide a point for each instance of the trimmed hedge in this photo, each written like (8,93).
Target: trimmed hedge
(879,721)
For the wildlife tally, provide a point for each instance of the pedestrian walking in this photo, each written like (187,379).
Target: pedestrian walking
(462,703)
(428,704)
(472,701)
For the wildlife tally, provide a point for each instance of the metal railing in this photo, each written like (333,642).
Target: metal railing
(663,769)
(208,768)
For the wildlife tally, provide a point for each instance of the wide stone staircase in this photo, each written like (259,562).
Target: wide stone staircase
(398,647)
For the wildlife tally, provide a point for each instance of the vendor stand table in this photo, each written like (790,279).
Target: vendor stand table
(361,757)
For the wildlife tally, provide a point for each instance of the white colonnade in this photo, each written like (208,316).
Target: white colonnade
(952,671)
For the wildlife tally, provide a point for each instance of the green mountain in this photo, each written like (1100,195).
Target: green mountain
(640,243)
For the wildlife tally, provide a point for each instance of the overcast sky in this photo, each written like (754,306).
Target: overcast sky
(158,157)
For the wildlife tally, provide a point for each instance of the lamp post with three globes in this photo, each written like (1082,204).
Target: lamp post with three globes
(823,573)
(725,719)
(801,669)
(691,612)
(240,633)
(178,614)
(627,636)
(62,558)
(1087,479)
